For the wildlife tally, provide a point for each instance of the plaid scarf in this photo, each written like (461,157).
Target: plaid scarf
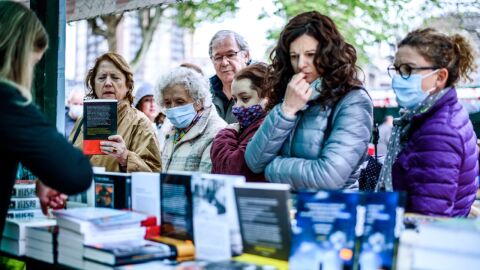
(401,128)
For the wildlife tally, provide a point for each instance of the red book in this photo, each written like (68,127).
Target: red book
(99,122)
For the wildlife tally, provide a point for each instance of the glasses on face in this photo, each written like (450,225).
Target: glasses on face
(230,56)
(405,70)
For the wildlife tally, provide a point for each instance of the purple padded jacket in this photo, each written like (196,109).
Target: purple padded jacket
(438,167)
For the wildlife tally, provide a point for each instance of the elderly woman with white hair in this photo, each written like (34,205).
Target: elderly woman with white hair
(186,96)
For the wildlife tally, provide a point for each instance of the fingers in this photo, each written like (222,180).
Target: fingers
(115,138)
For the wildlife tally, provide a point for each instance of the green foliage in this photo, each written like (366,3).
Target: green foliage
(190,13)
(362,22)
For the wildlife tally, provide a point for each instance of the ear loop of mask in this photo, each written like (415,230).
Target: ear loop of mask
(429,91)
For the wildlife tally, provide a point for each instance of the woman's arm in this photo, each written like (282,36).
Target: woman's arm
(268,140)
(228,154)
(432,170)
(144,151)
(341,154)
(28,137)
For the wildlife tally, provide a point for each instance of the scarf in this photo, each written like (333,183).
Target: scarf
(400,131)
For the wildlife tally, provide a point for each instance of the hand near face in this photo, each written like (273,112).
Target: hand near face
(115,147)
(49,197)
(297,94)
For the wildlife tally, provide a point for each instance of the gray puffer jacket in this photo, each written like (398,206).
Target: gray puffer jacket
(293,151)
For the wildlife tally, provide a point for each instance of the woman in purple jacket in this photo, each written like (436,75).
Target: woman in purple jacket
(432,153)
(251,104)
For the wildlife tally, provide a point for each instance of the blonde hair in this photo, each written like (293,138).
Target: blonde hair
(21,34)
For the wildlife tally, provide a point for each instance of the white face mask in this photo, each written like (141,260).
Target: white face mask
(75,112)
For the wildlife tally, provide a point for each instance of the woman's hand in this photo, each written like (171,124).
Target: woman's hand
(49,197)
(297,94)
(115,147)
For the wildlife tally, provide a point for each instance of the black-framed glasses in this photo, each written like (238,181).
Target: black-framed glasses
(405,70)
(230,56)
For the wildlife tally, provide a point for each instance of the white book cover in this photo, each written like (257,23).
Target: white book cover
(146,194)
(215,216)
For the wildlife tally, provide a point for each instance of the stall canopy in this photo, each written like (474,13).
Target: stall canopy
(85,9)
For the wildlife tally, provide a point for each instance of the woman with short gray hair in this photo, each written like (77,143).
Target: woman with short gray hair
(186,96)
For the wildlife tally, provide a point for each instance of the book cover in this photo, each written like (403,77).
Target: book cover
(215,216)
(383,221)
(176,206)
(264,219)
(325,235)
(113,190)
(146,194)
(126,252)
(99,122)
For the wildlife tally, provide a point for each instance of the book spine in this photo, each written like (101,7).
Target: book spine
(24,214)
(25,182)
(23,190)
(24,203)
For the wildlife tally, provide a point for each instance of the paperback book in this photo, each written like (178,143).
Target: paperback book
(215,216)
(383,221)
(113,190)
(264,222)
(127,252)
(99,122)
(327,230)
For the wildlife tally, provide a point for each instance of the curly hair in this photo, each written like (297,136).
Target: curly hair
(335,59)
(257,74)
(454,52)
(119,63)
(194,83)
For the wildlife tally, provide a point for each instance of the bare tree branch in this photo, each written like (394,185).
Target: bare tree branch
(148,24)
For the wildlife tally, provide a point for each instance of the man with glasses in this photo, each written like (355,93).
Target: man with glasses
(229,53)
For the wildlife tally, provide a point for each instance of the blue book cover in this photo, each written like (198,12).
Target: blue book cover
(383,221)
(324,232)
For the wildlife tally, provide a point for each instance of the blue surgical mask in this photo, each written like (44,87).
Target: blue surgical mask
(409,91)
(181,116)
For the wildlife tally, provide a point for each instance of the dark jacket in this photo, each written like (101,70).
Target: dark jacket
(228,152)
(439,165)
(220,100)
(27,137)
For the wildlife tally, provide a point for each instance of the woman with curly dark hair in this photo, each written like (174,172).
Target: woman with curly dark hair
(317,134)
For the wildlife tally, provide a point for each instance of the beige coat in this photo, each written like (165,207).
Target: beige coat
(140,140)
(192,152)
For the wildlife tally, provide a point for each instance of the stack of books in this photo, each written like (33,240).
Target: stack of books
(24,203)
(79,227)
(14,236)
(42,243)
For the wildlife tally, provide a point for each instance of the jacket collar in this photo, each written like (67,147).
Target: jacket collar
(449,98)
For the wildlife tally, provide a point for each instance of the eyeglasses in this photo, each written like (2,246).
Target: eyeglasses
(405,70)
(230,56)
